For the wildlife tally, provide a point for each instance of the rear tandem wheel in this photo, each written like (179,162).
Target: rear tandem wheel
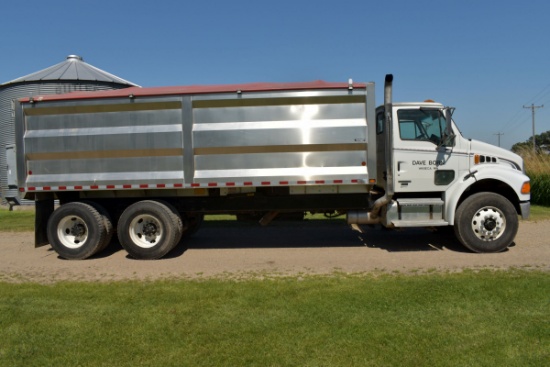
(78,230)
(149,229)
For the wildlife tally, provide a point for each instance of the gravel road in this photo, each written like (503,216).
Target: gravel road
(234,250)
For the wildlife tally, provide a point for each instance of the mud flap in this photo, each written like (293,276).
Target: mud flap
(44,205)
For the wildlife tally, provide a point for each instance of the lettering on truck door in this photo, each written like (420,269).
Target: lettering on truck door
(419,164)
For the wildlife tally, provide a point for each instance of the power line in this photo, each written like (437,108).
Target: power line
(513,123)
(533,108)
(541,94)
(499,135)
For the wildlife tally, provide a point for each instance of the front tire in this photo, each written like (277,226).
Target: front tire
(149,229)
(486,222)
(76,231)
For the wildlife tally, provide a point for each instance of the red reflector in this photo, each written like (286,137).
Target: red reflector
(354,181)
(248,183)
(78,187)
(302,182)
(178,185)
(32,188)
(21,189)
(212,184)
(126,186)
(143,186)
(62,187)
(94,187)
(110,186)
(266,183)
(320,182)
(338,181)
(283,182)
(195,185)
(230,184)
(47,188)
(160,186)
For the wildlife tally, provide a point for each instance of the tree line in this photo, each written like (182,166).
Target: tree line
(542,142)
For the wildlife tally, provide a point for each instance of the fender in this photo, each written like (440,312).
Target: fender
(509,177)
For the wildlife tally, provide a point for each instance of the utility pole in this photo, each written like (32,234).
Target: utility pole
(533,107)
(499,135)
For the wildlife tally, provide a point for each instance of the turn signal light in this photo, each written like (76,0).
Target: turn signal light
(526,188)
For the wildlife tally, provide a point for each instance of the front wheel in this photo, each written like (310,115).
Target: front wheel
(486,222)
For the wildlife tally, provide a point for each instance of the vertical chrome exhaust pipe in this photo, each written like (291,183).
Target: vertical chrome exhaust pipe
(373,217)
(388,106)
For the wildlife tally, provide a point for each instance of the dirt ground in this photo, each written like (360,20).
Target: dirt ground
(234,250)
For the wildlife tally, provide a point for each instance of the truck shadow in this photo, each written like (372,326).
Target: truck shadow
(316,234)
(307,234)
(412,239)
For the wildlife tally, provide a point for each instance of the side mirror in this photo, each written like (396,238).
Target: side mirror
(448,138)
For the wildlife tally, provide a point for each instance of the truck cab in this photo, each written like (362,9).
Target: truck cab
(433,176)
(422,160)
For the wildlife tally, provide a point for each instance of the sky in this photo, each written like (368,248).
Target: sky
(488,59)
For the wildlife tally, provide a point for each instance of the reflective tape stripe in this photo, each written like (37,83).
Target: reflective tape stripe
(192,185)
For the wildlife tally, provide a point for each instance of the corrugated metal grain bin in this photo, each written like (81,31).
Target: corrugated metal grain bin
(73,74)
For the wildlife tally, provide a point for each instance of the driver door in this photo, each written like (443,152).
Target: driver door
(421,164)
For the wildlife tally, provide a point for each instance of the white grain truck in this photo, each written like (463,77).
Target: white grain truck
(149,163)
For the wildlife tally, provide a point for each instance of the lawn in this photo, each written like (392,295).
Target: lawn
(482,318)
(23,220)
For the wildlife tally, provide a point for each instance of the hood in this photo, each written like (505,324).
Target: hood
(479,147)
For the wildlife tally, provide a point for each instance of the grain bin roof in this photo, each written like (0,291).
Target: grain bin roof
(72,69)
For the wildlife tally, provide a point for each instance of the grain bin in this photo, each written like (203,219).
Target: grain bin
(73,74)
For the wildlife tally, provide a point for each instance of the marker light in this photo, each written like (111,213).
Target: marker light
(526,188)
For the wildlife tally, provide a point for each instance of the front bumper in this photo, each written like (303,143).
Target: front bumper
(525,208)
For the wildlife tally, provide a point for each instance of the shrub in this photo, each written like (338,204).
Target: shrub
(537,167)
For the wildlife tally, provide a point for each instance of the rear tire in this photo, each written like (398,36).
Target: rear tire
(149,229)
(486,222)
(193,225)
(107,222)
(76,231)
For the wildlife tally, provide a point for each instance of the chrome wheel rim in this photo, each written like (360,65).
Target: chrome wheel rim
(488,223)
(146,231)
(72,232)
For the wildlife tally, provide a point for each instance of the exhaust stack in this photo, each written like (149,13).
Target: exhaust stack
(373,217)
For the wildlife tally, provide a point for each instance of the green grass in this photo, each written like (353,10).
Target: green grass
(23,220)
(17,220)
(539,212)
(468,319)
